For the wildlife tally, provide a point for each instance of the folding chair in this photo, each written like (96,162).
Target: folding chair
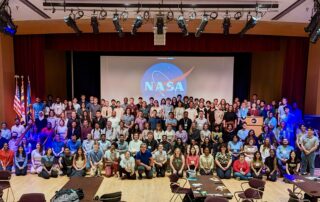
(5,177)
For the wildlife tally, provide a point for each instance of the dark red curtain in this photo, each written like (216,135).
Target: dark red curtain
(174,42)
(295,70)
(29,61)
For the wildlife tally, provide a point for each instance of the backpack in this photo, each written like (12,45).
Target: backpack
(68,195)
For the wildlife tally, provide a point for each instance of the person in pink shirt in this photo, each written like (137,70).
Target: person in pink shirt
(192,160)
(140,120)
(241,169)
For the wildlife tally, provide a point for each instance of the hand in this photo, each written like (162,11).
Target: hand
(307,152)
(160,164)
(174,171)
(148,167)
(61,166)
(180,172)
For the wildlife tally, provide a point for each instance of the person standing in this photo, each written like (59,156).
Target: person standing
(309,145)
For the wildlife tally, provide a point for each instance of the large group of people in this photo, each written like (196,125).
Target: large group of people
(180,135)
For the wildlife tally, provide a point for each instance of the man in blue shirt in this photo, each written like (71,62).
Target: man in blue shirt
(283,153)
(243,133)
(96,160)
(37,107)
(73,144)
(57,146)
(144,161)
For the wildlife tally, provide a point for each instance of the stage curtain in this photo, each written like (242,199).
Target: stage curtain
(29,60)
(174,42)
(295,70)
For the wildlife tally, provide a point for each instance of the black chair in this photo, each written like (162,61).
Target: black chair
(255,184)
(111,197)
(33,197)
(296,197)
(215,199)
(248,195)
(177,189)
(5,177)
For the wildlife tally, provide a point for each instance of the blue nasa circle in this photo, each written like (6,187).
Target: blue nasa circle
(163,80)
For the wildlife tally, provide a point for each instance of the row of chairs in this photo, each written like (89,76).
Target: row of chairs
(251,191)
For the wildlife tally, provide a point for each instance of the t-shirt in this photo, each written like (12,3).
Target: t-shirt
(144,157)
(309,143)
(292,165)
(57,146)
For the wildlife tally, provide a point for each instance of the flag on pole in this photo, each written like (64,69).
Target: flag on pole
(16,102)
(29,111)
(22,103)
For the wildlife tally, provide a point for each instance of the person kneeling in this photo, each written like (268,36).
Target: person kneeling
(257,165)
(241,169)
(224,161)
(144,162)
(48,169)
(177,162)
(112,157)
(206,162)
(66,162)
(127,165)
(20,161)
(96,160)
(160,161)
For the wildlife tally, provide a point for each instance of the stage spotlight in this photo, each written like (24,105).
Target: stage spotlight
(72,23)
(136,25)
(202,26)
(193,15)
(6,24)
(182,25)
(226,25)
(95,24)
(213,15)
(251,23)
(124,15)
(313,23)
(160,24)
(238,15)
(116,23)
(79,14)
(315,34)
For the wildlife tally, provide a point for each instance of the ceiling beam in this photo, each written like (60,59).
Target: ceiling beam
(180,6)
(35,9)
(288,10)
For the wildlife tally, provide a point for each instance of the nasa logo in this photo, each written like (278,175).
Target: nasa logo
(163,80)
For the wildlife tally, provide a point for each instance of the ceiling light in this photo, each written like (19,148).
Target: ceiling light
(116,23)
(226,25)
(193,15)
(6,24)
(251,23)
(202,26)
(182,25)
(160,24)
(95,24)
(72,23)
(136,25)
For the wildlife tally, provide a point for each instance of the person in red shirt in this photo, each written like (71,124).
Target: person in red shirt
(192,160)
(6,158)
(241,169)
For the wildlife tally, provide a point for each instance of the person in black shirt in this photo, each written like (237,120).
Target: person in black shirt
(179,144)
(210,116)
(166,145)
(230,117)
(66,162)
(271,166)
(207,144)
(99,119)
(185,122)
(151,143)
(293,164)
(194,133)
(73,130)
(228,134)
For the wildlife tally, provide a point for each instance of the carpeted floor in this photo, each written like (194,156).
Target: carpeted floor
(89,185)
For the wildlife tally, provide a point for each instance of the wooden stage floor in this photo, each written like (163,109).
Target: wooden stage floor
(155,190)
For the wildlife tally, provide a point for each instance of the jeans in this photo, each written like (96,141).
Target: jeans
(272,177)
(308,160)
(142,169)
(241,176)
(224,174)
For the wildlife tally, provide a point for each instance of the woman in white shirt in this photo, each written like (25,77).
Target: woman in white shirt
(119,110)
(158,132)
(170,133)
(157,108)
(36,156)
(178,111)
(62,130)
(52,119)
(127,166)
(265,149)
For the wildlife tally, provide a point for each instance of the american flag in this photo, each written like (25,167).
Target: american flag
(29,112)
(22,103)
(16,102)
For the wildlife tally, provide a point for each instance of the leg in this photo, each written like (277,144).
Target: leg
(304,163)
(273,177)
(141,169)
(311,158)
(227,173)
(149,173)
(115,167)
(202,172)
(220,173)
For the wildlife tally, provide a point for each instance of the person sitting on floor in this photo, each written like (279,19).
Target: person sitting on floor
(48,169)
(177,162)
(283,154)
(241,168)
(36,156)
(257,165)
(96,160)
(223,162)
(160,161)
(271,166)
(111,160)
(144,162)
(6,158)
(20,161)
(192,160)
(79,163)
(127,166)
(206,162)
(65,162)
(293,164)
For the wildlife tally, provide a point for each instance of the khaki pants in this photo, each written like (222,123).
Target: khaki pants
(96,170)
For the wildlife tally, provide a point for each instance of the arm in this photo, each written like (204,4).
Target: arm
(171,165)
(25,161)
(287,169)
(236,166)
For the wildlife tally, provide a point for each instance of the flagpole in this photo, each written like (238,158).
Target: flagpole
(15,105)
(22,101)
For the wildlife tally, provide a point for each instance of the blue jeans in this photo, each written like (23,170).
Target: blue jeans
(224,174)
(308,160)
(241,176)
